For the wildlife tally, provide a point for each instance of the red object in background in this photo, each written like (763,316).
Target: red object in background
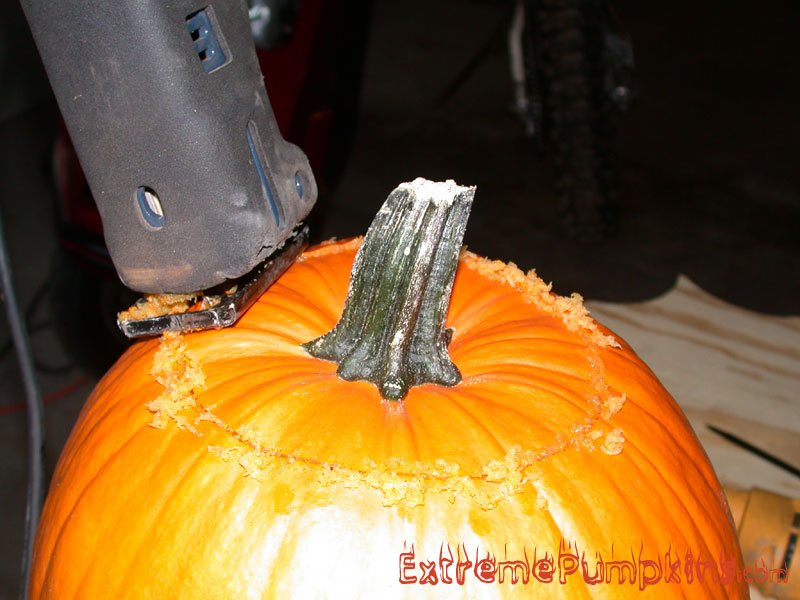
(300,76)
(75,201)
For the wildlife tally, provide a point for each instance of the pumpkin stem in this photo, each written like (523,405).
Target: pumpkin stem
(392,331)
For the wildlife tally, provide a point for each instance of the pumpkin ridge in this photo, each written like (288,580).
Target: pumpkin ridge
(499,376)
(603,410)
(422,478)
(293,311)
(686,460)
(570,309)
(259,371)
(535,367)
(704,552)
(261,336)
(97,411)
(477,380)
(156,520)
(441,477)
(287,298)
(328,286)
(500,330)
(59,536)
(478,423)
(576,427)
(468,314)
(495,353)
(331,246)
(580,434)
(580,428)
(667,483)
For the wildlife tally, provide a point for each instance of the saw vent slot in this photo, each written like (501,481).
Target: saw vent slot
(206,42)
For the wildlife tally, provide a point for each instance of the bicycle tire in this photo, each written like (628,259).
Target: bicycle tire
(569,55)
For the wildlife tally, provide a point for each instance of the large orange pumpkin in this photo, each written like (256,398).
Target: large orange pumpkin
(232,464)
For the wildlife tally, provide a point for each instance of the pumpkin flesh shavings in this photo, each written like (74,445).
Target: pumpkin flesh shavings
(157,305)
(403,483)
(183,379)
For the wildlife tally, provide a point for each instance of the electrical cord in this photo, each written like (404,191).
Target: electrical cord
(19,335)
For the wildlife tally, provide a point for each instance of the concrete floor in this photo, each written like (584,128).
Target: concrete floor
(707,164)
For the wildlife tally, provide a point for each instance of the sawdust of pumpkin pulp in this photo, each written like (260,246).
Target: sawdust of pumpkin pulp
(402,483)
(158,305)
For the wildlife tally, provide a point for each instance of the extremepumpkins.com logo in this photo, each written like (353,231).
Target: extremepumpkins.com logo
(548,567)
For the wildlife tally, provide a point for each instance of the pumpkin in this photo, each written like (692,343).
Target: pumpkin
(234,464)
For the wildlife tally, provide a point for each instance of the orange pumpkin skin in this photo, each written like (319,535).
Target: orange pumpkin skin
(276,479)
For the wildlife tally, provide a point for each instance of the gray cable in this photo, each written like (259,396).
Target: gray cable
(35,411)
